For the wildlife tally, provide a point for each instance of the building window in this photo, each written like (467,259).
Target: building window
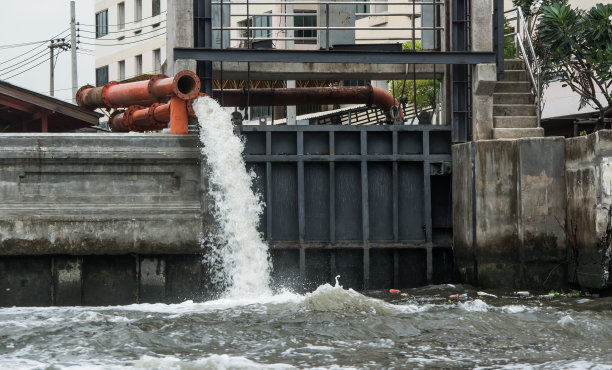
(137,10)
(155,6)
(257,21)
(365,8)
(122,70)
(138,65)
(121,15)
(102,76)
(157,61)
(102,23)
(309,19)
(355,83)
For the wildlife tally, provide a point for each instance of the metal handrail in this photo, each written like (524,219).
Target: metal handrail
(533,66)
(275,31)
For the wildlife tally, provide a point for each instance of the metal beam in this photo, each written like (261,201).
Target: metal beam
(323,56)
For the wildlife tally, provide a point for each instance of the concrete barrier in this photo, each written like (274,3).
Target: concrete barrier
(519,188)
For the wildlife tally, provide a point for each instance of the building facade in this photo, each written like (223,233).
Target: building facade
(130,38)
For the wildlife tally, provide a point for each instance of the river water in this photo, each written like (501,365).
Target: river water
(331,328)
(252,327)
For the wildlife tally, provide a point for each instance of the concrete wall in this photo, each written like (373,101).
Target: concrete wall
(520,210)
(84,194)
(589,204)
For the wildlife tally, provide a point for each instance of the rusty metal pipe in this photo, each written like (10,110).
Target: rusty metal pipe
(185,85)
(313,95)
(155,117)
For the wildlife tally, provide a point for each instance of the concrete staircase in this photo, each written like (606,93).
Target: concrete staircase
(514,110)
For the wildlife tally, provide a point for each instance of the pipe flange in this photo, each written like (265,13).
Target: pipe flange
(105,96)
(194,91)
(111,122)
(151,115)
(79,97)
(190,111)
(128,118)
(152,82)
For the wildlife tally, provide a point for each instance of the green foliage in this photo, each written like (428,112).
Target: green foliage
(583,133)
(577,48)
(509,47)
(427,91)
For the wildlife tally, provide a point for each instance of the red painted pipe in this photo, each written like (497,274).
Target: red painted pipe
(312,95)
(185,85)
(153,118)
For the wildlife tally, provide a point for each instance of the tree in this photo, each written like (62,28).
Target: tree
(577,47)
(427,91)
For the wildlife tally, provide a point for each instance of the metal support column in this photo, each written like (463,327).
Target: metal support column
(203,39)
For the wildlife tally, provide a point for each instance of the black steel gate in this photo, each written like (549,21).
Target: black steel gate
(370,203)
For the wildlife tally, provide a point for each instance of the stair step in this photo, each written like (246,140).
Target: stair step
(514,64)
(515,121)
(514,110)
(517,133)
(515,75)
(512,87)
(513,98)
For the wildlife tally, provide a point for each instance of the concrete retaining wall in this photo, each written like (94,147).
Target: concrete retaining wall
(87,194)
(520,210)
(589,208)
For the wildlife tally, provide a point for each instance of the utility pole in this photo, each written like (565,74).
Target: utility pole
(73,50)
(58,43)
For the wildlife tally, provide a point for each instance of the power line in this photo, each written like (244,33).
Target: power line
(124,23)
(29,69)
(126,37)
(23,63)
(36,47)
(25,60)
(122,30)
(119,44)
(10,46)
(44,57)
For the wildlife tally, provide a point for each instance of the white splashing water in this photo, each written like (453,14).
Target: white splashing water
(237,247)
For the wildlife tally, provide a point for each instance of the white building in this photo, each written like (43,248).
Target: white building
(130,38)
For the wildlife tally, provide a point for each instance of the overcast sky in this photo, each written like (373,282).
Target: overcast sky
(23,21)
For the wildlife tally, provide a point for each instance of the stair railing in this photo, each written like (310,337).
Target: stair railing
(521,37)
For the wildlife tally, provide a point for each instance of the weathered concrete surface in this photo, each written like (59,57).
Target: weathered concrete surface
(588,175)
(85,194)
(520,205)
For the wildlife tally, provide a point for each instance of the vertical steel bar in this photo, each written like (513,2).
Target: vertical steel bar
(427,205)
(395,188)
(300,176)
(269,186)
(332,191)
(327,26)
(365,210)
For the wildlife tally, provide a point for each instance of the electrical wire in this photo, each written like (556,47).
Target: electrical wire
(41,44)
(122,30)
(119,44)
(124,23)
(23,63)
(125,37)
(29,69)
(25,60)
(10,46)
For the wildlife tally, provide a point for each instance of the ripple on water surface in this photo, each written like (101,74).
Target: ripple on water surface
(330,327)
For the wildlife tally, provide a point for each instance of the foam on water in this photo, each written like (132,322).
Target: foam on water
(223,362)
(237,246)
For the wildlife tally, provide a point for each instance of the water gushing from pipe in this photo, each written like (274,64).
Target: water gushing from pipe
(237,247)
